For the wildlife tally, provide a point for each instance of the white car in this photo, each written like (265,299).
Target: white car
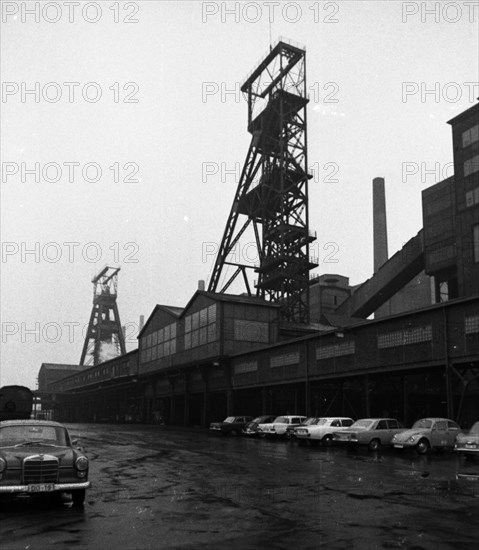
(278,427)
(322,430)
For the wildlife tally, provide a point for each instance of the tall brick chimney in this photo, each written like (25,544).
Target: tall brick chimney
(380,230)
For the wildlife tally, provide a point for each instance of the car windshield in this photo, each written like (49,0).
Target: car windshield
(30,434)
(474,429)
(311,421)
(281,419)
(423,423)
(321,421)
(229,419)
(363,424)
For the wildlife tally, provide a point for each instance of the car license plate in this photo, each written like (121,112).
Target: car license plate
(398,446)
(41,487)
(470,446)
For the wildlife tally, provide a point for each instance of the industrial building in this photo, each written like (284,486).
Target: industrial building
(297,344)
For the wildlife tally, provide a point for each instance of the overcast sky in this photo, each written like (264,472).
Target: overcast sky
(157,208)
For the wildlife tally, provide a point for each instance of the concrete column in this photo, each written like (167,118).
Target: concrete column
(367,408)
(264,401)
(229,402)
(186,410)
(206,394)
(405,409)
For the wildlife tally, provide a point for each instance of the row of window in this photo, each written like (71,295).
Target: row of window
(200,327)
(471,324)
(405,337)
(471,165)
(335,350)
(472,197)
(247,366)
(284,359)
(98,373)
(160,336)
(470,136)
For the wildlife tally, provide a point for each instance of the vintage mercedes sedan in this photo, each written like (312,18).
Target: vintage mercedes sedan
(373,432)
(37,457)
(468,443)
(428,433)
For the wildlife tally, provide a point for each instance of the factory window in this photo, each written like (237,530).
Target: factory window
(413,335)
(249,366)
(284,359)
(335,350)
(471,165)
(475,240)
(158,344)
(471,324)
(200,327)
(251,331)
(470,136)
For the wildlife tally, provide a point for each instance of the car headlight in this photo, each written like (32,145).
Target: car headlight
(3,465)
(81,463)
(412,439)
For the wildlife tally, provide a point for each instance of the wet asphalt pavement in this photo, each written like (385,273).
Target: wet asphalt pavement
(164,487)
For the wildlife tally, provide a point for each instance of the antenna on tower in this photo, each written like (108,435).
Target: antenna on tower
(104,338)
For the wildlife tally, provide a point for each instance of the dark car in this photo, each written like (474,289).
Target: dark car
(38,457)
(251,429)
(231,425)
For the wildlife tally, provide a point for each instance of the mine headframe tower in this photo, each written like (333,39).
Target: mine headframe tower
(104,338)
(272,193)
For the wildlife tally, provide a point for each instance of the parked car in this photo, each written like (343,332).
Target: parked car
(279,425)
(323,429)
(373,432)
(231,425)
(291,428)
(38,457)
(251,428)
(427,433)
(468,443)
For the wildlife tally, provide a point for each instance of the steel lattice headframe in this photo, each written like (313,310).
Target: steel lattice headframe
(272,195)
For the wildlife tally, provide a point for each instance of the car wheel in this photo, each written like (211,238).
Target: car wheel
(374,444)
(327,440)
(422,446)
(78,497)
